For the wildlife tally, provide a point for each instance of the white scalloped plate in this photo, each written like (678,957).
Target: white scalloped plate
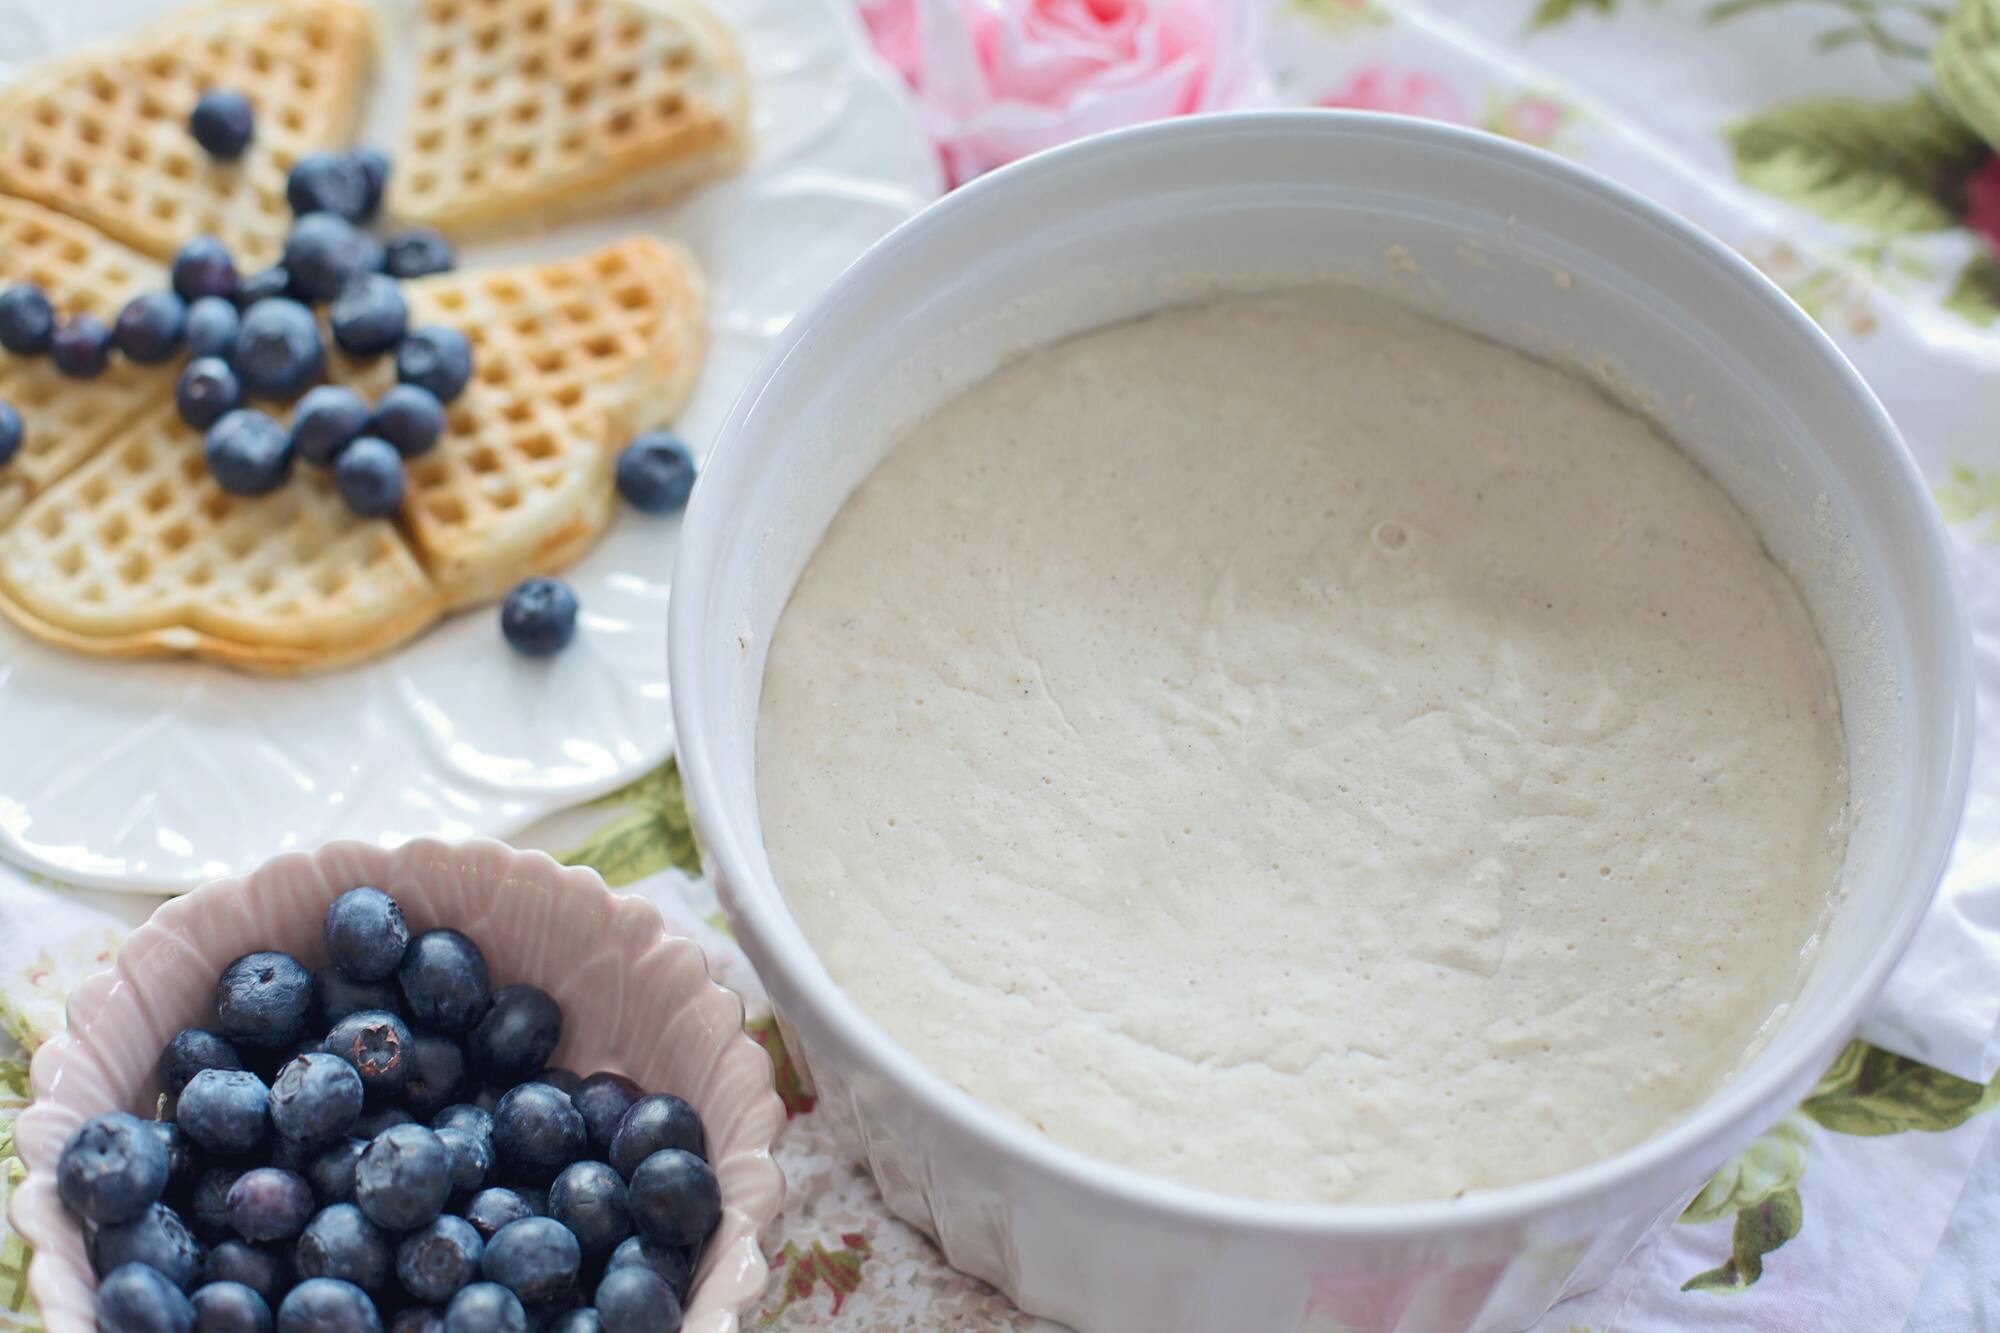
(157,776)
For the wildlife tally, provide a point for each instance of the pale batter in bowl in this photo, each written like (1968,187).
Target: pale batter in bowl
(1306,751)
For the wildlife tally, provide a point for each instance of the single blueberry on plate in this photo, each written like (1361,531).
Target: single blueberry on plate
(418,1319)
(377,1043)
(264,285)
(659,1121)
(203,267)
(369,476)
(230,1307)
(327,1305)
(470,1156)
(369,316)
(565,1081)
(536,1133)
(12,432)
(374,164)
(331,1170)
(656,473)
(112,1169)
(517,1036)
(485,1307)
(583,1319)
(27,320)
(465,1116)
(327,420)
(208,1205)
(374,1122)
(589,1199)
(222,123)
(224,1110)
(404,1178)
(81,348)
(324,252)
(212,325)
(602,1100)
(417,252)
(538,617)
(669,1261)
(491,1209)
(262,999)
(150,328)
(633,1299)
(278,351)
(410,418)
(674,1198)
(435,358)
(156,1238)
(262,1268)
(183,1164)
(335,994)
(437,1259)
(250,453)
(315,1099)
(135,1299)
(366,936)
(437,1073)
(267,1203)
(327,182)
(207,391)
(536,1258)
(342,1243)
(444,980)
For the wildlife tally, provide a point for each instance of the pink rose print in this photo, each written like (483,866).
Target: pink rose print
(999,79)
(1982,202)
(1409,93)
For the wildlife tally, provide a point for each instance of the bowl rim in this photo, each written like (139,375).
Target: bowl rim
(34,1209)
(758,906)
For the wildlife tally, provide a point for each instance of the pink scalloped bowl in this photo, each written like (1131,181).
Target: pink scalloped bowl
(652,1013)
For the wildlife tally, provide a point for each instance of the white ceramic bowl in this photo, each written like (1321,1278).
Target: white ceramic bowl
(635,1000)
(1504,240)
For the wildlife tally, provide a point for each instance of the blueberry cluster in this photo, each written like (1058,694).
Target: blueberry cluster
(382,1140)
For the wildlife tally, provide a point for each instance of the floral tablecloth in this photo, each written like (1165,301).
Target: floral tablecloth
(1845,146)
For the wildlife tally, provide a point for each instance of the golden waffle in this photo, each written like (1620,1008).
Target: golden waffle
(138,553)
(103,136)
(527,109)
(66,420)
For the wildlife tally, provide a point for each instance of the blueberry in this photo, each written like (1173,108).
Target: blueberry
(262,999)
(438,1259)
(404,1178)
(536,1258)
(135,1299)
(536,1197)
(182,1165)
(470,1158)
(465,1116)
(156,1238)
(332,183)
(538,616)
(82,347)
(410,418)
(203,267)
(278,351)
(374,165)
(374,1122)
(340,1242)
(634,1299)
(369,476)
(491,1209)
(589,1199)
(435,358)
(669,1261)
(377,1043)
(602,1100)
(485,1307)
(369,316)
(207,391)
(365,933)
(336,995)
(418,1319)
(223,1110)
(288,1155)
(27,320)
(249,453)
(222,123)
(565,1081)
(324,252)
(230,1307)
(583,1319)
(262,1268)
(485,1098)
(327,1305)
(266,1203)
(653,1123)
(656,473)
(331,1170)
(150,328)
(327,420)
(112,1169)
(417,252)
(208,1205)
(11,433)
(518,1034)
(675,1198)
(264,285)
(437,1073)
(444,979)
(212,325)
(315,1099)
(536,1132)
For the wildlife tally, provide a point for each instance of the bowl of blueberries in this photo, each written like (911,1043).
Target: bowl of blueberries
(452,1087)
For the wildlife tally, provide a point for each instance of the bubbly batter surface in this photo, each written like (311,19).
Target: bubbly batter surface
(1294,747)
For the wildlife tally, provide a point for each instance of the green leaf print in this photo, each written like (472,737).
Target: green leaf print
(1759,1231)
(1771,1165)
(800,1272)
(1975,295)
(1965,60)
(1551,12)
(1341,17)
(1970,493)
(653,835)
(1893,166)
(1882,1093)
